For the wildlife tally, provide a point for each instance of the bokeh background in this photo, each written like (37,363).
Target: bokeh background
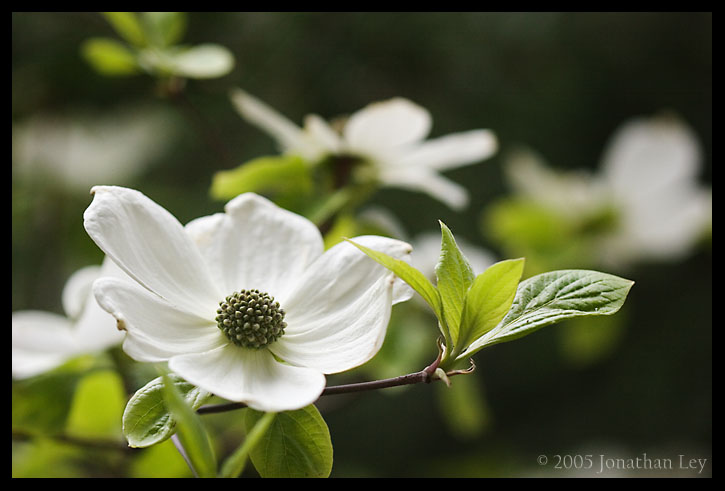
(560,83)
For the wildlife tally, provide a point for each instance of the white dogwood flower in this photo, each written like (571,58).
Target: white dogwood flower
(648,178)
(43,340)
(390,136)
(245,304)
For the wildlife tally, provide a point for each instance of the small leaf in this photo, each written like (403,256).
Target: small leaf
(127,25)
(191,432)
(455,277)
(296,444)
(414,278)
(110,57)
(147,421)
(262,174)
(488,300)
(203,61)
(551,297)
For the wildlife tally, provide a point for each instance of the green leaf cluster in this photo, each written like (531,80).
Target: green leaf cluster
(475,311)
(150,46)
(288,444)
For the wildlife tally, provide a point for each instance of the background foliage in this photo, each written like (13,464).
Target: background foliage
(560,83)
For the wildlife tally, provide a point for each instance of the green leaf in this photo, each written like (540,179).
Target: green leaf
(158,461)
(203,61)
(110,57)
(551,297)
(296,444)
(414,278)
(97,406)
(127,25)
(41,404)
(166,28)
(488,300)
(147,421)
(235,463)
(455,277)
(263,174)
(190,430)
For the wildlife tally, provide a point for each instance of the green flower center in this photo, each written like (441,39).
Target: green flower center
(251,319)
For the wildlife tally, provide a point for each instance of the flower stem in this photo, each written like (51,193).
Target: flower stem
(425,375)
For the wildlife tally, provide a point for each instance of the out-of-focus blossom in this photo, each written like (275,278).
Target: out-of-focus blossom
(79,151)
(648,182)
(387,138)
(42,340)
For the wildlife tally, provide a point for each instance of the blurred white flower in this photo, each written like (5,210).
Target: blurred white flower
(648,178)
(389,135)
(42,341)
(81,150)
(245,304)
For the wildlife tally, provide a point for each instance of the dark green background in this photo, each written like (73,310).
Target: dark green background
(560,83)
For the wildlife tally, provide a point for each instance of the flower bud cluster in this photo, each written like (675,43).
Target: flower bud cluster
(251,319)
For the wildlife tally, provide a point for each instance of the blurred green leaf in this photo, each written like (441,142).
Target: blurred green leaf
(455,277)
(488,300)
(464,406)
(344,225)
(166,28)
(551,297)
(158,461)
(202,61)
(110,57)
(147,420)
(190,430)
(588,339)
(128,26)
(297,444)
(97,406)
(263,174)
(42,404)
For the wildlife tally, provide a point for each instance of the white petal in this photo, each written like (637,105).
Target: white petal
(40,341)
(337,316)
(149,244)
(287,134)
(155,329)
(438,187)
(645,155)
(318,130)
(342,337)
(26,364)
(77,290)
(95,328)
(340,276)
(250,376)
(393,123)
(257,244)
(452,151)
